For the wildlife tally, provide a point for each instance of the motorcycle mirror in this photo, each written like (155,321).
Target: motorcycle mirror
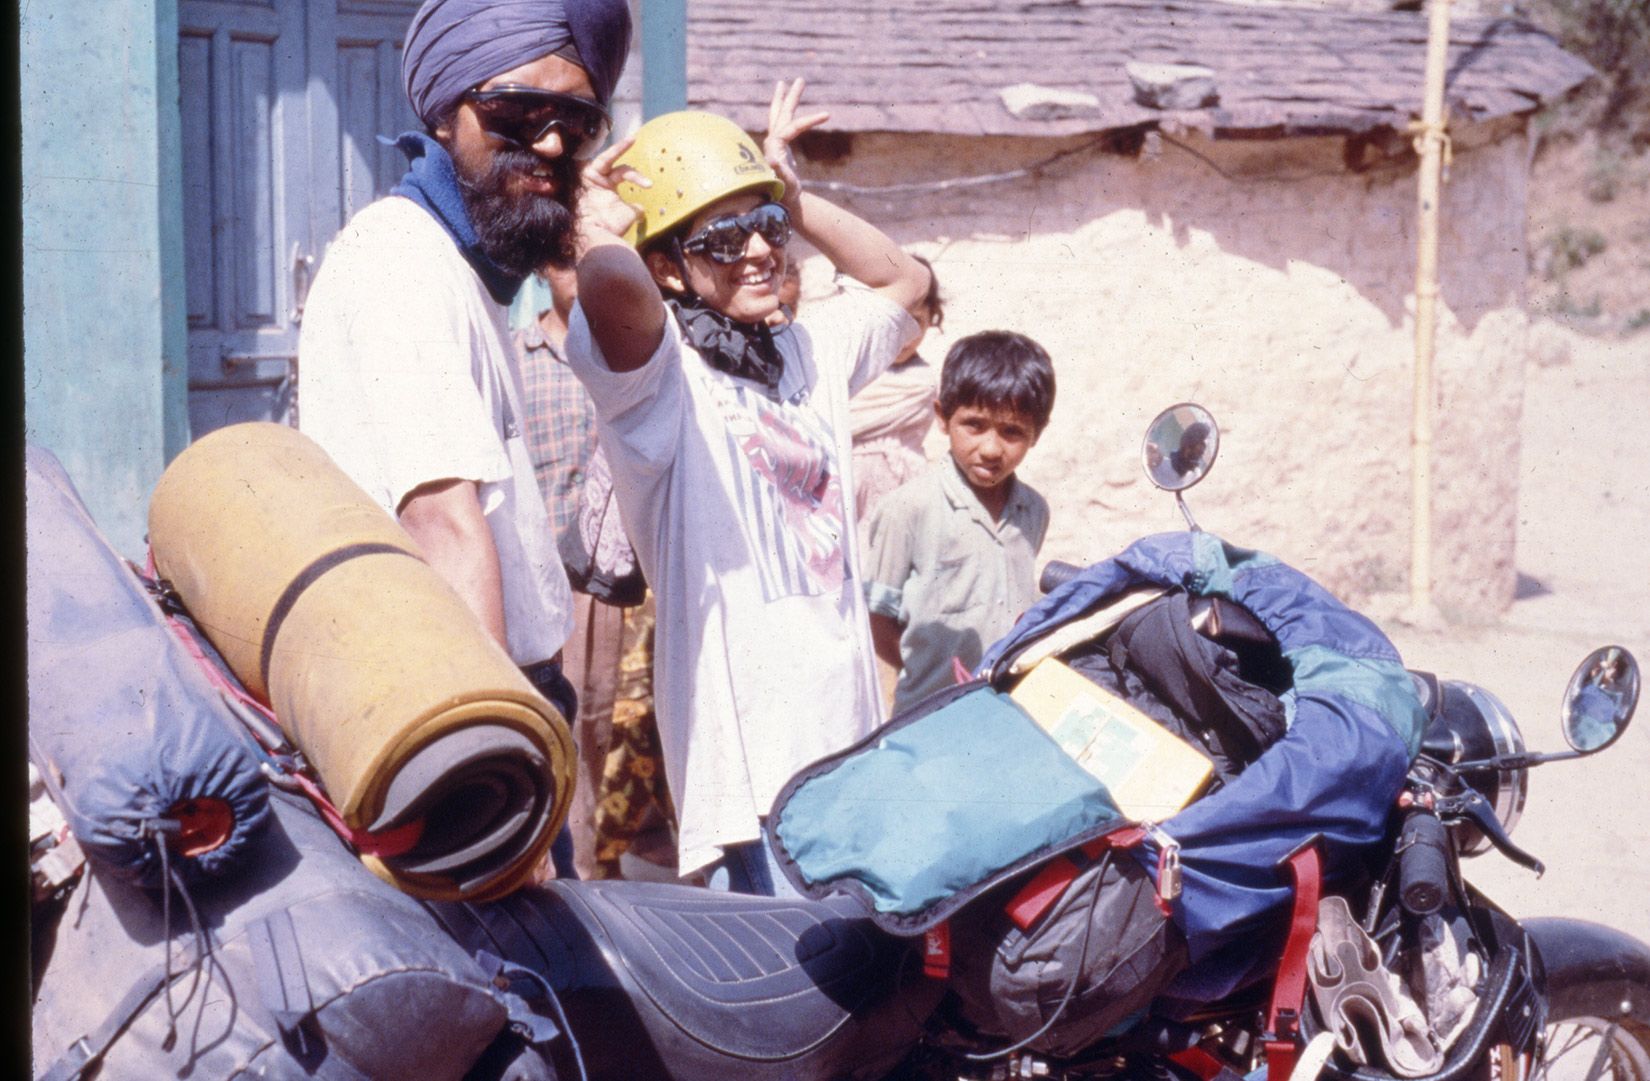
(1180,446)
(1600,699)
(1179,450)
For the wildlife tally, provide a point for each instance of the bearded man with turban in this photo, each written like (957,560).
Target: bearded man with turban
(406,373)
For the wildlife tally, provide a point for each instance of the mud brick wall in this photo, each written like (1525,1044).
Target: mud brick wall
(1268,280)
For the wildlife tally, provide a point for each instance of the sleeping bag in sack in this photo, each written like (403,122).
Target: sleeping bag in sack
(413,716)
(133,742)
(303,966)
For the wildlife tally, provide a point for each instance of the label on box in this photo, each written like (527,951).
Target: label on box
(1150,772)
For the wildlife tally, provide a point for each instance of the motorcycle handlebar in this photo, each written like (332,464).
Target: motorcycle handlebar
(1423,863)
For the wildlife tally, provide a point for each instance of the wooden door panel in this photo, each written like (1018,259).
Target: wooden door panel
(282,104)
(362,40)
(199,233)
(253,151)
(241,70)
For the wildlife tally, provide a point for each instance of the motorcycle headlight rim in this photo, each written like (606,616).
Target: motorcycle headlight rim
(1509,788)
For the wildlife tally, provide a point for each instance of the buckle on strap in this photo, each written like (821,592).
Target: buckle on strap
(1282,1036)
(936,952)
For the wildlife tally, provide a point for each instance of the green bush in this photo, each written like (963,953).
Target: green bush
(1613,36)
(1605,175)
(1569,248)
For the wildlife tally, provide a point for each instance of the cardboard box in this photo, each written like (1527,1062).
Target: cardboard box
(1150,772)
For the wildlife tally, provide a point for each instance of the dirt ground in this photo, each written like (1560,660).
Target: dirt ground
(1584,574)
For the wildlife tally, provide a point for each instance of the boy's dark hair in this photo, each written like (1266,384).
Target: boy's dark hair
(998,369)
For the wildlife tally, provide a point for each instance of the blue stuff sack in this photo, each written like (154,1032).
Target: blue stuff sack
(123,724)
(957,794)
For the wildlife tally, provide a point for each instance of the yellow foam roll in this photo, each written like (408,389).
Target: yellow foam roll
(414,718)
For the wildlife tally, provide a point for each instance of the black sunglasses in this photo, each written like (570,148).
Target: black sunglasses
(723,240)
(522,115)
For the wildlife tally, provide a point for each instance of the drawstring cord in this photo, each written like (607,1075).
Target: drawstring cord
(158,828)
(561,1017)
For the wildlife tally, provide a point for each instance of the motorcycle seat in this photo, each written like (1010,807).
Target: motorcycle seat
(715,982)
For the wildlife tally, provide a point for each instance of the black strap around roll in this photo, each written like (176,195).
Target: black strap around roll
(306,578)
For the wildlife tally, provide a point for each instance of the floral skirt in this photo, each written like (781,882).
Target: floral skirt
(633,809)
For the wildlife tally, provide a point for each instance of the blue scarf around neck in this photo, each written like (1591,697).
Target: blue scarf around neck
(432,183)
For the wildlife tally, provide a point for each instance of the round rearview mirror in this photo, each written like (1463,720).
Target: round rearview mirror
(1180,446)
(1600,699)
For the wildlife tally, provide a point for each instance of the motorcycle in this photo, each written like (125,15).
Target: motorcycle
(657,981)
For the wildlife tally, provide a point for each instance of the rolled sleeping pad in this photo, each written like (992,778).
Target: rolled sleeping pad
(415,719)
(309,969)
(133,741)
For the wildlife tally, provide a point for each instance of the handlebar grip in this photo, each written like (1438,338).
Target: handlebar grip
(1423,864)
(1056,574)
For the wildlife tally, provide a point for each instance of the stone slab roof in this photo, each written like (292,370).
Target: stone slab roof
(943,66)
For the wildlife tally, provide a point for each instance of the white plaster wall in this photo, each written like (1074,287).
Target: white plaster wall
(1268,282)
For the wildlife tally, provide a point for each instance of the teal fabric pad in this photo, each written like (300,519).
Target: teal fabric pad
(929,807)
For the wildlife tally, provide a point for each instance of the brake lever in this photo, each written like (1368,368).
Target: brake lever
(1474,808)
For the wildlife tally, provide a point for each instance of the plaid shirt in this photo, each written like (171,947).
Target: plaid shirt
(560,424)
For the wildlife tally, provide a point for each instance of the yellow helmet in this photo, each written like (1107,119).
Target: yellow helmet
(693,159)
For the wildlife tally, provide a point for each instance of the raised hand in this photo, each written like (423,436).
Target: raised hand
(602,212)
(783,128)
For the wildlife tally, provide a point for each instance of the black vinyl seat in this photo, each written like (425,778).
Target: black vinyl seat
(682,983)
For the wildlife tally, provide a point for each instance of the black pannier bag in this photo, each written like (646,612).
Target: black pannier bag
(1096,957)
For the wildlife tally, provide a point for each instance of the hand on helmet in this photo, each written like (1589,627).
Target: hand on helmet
(783,128)
(602,212)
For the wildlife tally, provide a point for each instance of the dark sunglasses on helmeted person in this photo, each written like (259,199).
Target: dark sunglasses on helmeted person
(523,115)
(723,240)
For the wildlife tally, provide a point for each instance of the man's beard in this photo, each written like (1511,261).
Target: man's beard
(522,233)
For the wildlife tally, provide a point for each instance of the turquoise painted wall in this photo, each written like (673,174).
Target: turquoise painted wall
(104,340)
(664,57)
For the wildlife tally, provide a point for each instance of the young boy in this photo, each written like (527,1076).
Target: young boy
(950,555)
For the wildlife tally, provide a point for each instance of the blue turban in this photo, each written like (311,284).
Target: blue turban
(453,45)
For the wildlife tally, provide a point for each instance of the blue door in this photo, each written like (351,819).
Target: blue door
(281,103)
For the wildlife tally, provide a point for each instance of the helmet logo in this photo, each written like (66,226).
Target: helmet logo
(748,162)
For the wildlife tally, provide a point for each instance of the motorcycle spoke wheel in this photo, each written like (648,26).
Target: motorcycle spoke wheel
(1586,1048)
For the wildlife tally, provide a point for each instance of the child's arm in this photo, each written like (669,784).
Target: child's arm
(853,245)
(890,559)
(885,636)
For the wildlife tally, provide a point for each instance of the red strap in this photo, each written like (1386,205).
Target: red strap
(1199,1062)
(1289,990)
(936,951)
(1047,885)
(385,844)
(1028,906)
(959,673)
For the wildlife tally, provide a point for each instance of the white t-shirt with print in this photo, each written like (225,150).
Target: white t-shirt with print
(406,375)
(741,512)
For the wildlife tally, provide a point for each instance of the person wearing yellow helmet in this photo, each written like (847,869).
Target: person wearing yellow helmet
(728,442)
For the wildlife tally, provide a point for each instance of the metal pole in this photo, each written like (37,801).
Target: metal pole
(1431,143)
(664,57)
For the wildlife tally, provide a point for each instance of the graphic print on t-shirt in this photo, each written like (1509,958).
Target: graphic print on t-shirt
(790,492)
